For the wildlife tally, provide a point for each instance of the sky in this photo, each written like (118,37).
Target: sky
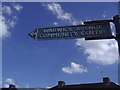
(30,63)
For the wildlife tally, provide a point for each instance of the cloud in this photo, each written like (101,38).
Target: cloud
(7,10)
(11,81)
(57,10)
(7,22)
(4,30)
(102,52)
(55,23)
(104,16)
(74,68)
(18,7)
(48,87)
(6,85)
(8,82)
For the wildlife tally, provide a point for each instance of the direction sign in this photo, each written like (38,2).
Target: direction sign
(72,32)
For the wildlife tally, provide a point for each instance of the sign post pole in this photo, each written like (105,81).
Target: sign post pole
(117,26)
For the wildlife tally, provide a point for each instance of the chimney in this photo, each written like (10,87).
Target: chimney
(11,86)
(106,81)
(61,83)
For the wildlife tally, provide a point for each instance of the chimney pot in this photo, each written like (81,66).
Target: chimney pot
(106,81)
(11,86)
(61,83)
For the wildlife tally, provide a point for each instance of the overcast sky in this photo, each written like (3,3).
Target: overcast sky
(40,64)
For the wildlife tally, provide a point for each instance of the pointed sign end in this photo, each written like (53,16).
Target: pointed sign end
(32,34)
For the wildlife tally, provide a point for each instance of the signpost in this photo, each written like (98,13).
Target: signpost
(90,31)
(71,32)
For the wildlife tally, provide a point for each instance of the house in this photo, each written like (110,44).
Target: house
(105,84)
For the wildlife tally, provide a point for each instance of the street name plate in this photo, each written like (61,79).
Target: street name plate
(72,32)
